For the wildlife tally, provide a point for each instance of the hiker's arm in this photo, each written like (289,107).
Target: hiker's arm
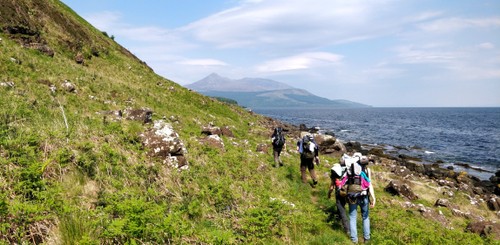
(371,191)
(330,190)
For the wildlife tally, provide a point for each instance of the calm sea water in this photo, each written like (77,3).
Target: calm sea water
(453,135)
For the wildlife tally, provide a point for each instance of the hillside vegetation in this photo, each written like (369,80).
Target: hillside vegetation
(71,175)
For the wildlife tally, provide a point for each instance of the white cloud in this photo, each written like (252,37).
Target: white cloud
(414,54)
(424,16)
(300,61)
(290,23)
(486,45)
(104,21)
(456,24)
(202,62)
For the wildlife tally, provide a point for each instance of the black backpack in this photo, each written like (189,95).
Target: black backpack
(306,147)
(279,138)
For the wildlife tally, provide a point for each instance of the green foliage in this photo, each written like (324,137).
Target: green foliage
(97,184)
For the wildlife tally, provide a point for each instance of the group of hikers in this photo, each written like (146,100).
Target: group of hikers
(350,180)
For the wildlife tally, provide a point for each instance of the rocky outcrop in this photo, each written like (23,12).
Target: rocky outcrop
(211,130)
(493,203)
(213,141)
(68,86)
(214,130)
(396,187)
(164,143)
(143,115)
(485,228)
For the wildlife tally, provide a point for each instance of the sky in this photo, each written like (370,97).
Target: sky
(383,53)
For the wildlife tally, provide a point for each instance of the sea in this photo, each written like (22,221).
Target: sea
(468,139)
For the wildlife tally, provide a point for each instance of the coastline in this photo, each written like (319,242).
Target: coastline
(434,134)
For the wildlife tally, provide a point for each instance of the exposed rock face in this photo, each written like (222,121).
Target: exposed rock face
(163,142)
(398,188)
(43,48)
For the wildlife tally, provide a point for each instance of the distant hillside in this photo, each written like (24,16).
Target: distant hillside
(265,93)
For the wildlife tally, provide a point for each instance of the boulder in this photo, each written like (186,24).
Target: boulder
(211,130)
(68,86)
(329,144)
(396,187)
(353,146)
(143,115)
(485,228)
(431,214)
(79,58)
(113,115)
(493,203)
(414,166)
(226,131)
(213,141)
(401,171)
(7,84)
(442,203)
(164,143)
(262,148)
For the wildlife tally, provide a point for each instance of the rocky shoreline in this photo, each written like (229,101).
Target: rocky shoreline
(413,179)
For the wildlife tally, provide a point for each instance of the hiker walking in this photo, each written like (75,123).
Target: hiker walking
(337,173)
(359,193)
(308,150)
(279,143)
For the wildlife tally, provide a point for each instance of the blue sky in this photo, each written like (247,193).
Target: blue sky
(380,52)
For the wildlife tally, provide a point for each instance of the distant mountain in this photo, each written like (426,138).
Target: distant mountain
(264,93)
(214,82)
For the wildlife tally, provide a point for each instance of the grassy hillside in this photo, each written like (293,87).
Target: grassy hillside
(68,175)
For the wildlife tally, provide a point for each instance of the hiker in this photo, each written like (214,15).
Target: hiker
(308,150)
(279,143)
(337,173)
(359,193)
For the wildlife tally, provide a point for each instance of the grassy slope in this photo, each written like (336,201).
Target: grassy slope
(92,182)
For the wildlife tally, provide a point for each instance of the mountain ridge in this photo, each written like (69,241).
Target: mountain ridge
(265,93)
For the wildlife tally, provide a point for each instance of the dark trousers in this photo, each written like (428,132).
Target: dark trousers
(307,164)
(341,202)
(277,159)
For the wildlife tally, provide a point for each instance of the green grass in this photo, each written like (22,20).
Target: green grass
(91,182)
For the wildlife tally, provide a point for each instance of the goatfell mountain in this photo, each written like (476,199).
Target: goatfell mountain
(265,93)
